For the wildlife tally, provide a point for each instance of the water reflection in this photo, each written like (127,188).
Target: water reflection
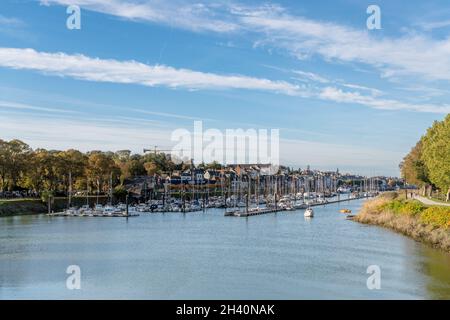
(436,265)
(209,256)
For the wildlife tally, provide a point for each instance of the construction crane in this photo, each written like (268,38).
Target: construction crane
(156,150)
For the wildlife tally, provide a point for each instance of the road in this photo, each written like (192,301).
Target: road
(430,202)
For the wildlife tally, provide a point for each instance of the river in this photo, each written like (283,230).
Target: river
(209,256)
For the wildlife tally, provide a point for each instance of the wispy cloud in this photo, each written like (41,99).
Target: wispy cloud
(412,54)
(133,72)
(102,70)
(304,38)
(11,21)
(198,17)
(21,106)
(373,91)
(103,134)
(311,76)
(338,95)
(429,26)
(169,115)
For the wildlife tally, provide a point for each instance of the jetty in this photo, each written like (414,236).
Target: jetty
(104,215)
(250,213)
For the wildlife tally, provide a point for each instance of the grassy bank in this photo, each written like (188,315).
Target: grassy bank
(429,224)
(16,207)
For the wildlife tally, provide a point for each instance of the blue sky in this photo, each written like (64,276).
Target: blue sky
(341,95)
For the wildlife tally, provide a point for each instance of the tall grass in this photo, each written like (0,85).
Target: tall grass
(410,217)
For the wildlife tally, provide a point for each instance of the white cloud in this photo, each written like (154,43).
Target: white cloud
(311,76)
(102,70)
(117,134)
(21,106)
(338,95)
(132,72)
(373,91)
(193,16)
(428,26)
(10,22)
(412,54)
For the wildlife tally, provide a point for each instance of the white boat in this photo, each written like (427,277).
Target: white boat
(309,213)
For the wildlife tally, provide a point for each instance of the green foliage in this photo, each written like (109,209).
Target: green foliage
(413,208)
(428,163)
(405,207)
(436,153)
(413,168)
(436,216)
(39,170)
(46,195)
(120,193)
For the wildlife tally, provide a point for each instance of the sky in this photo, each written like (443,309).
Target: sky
(342,95)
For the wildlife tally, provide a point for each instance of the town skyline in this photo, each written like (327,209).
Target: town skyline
(342,96)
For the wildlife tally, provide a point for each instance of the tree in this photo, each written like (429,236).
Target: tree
(136,168)
(436,153)
(413,168)
(3,163)
(151,168)
(100,166)
(14,156)
(71,163)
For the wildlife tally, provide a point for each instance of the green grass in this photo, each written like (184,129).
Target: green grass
(18,200)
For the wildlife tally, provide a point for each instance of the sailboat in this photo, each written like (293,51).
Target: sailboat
(309,213)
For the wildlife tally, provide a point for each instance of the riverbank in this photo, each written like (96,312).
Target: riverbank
(428,224)
(16,207)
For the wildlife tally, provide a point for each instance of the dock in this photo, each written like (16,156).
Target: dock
(114,215)
(273,210)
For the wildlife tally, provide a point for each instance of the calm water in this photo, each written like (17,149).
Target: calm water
(208,256)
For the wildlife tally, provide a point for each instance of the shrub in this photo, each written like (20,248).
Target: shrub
(412,208)
(436,216)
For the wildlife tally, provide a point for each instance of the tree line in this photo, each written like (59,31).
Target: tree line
(39,170)
(427,165)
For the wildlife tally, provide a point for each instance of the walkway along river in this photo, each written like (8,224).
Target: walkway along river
(209,256)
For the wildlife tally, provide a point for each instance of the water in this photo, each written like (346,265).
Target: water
(209,256)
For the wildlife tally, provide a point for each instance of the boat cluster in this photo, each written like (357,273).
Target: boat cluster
(98,210)
(235,205)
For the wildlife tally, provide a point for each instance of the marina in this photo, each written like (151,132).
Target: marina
(209,256)
(239,209)
(259,211)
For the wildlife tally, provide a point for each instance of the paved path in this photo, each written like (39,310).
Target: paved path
(430,202)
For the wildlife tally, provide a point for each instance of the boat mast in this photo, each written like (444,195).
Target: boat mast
(70,190)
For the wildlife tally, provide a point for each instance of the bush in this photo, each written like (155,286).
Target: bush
(436,216)
(412,208)
(394,206)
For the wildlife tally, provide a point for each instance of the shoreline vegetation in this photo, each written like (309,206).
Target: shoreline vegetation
(31,206)
(426,224)
(427,165)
